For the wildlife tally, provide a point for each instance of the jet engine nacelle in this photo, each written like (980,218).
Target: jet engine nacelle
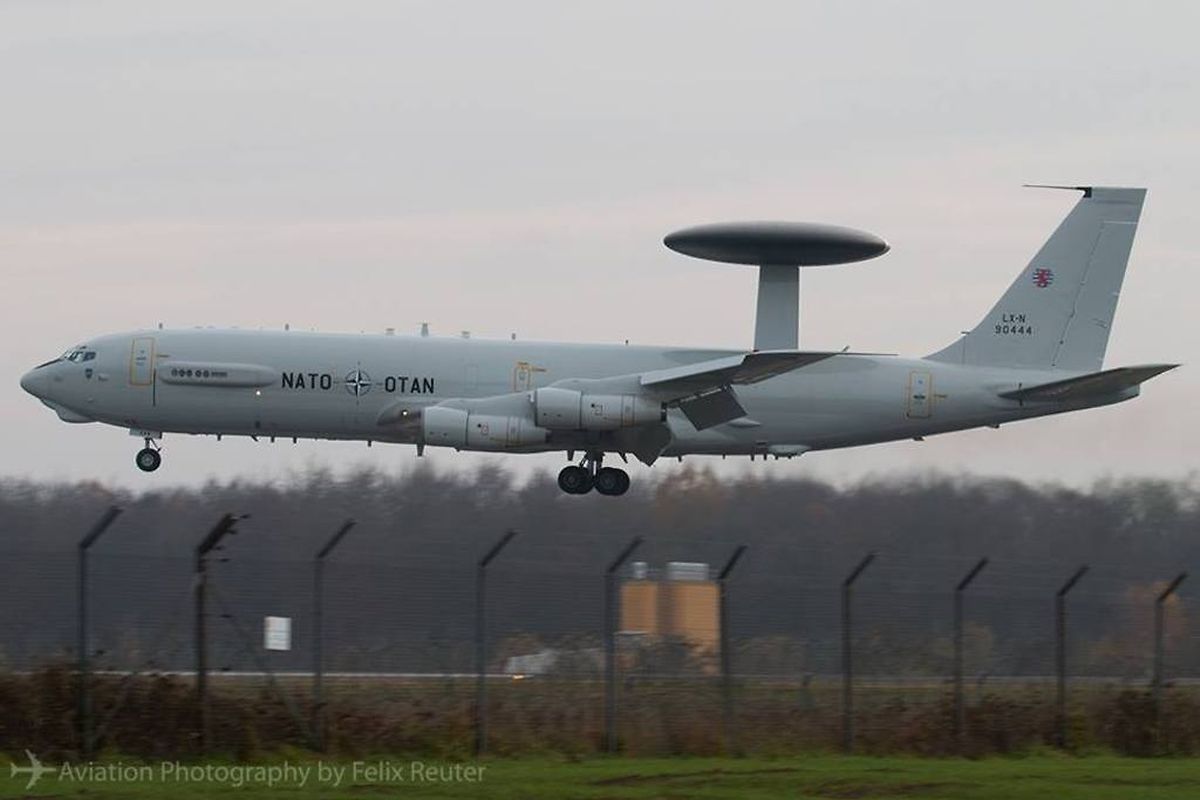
(567,409)
(453,427)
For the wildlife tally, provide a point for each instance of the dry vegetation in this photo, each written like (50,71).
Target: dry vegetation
(155,717)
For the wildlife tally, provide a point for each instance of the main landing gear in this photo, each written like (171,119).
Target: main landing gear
(148,458)
(590,474)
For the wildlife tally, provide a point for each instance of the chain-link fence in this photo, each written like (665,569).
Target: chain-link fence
(811,660)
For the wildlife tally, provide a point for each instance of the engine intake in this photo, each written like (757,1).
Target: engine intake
(567,409)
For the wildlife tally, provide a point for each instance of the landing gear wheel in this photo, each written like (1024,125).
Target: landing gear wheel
(575,480)
(148,459)
(612,481)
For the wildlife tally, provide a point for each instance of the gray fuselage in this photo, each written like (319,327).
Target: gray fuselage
(340,386)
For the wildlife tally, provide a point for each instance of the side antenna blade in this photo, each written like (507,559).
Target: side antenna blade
(1087,190)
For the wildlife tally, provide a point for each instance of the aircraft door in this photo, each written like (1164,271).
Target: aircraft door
(920,395)
(141,362)
(524,376)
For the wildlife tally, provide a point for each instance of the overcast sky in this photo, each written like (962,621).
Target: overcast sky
(513,167)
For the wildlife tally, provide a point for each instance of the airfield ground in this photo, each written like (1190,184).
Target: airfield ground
(819,776)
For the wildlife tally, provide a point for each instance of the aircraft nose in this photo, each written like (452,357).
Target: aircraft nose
(34,382)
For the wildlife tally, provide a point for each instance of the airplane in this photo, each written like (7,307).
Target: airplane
(1038,351)
(35,770)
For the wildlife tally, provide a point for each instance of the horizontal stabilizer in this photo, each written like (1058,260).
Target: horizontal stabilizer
(1085,387)
(730,370)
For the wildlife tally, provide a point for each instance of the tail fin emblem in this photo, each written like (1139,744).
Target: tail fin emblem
(1043,277)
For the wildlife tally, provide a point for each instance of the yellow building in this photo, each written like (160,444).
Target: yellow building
(680,602)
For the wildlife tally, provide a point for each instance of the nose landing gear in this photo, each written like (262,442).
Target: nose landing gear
(590,474)
(148,458)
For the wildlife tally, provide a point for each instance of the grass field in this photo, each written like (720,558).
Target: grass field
(1048,776)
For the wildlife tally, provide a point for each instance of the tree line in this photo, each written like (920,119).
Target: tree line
(400,587)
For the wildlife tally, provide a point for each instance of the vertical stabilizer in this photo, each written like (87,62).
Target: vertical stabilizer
(1059,311)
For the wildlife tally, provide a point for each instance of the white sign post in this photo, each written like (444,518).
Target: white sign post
(277,633)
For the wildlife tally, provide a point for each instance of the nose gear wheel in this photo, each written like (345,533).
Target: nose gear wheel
(149,458)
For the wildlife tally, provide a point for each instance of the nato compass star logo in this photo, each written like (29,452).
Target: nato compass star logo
(1043,277)
(358,382)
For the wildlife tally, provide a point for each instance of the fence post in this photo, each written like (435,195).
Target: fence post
(318,644)
(610,644)
(210,541)
(85,672)
(1060,653)
(960,707)
(1159,603)
(848,655)
(481,642)
(726,656)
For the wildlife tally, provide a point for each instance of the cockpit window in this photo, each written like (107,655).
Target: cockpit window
(78,354)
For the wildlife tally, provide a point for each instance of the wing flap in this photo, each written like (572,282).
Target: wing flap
(1084,387)
(712,408)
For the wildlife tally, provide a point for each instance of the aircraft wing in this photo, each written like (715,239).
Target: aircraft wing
(1083,387)
(704,391)
(730,370)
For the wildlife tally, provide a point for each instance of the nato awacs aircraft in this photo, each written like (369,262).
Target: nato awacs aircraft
(1039,351)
